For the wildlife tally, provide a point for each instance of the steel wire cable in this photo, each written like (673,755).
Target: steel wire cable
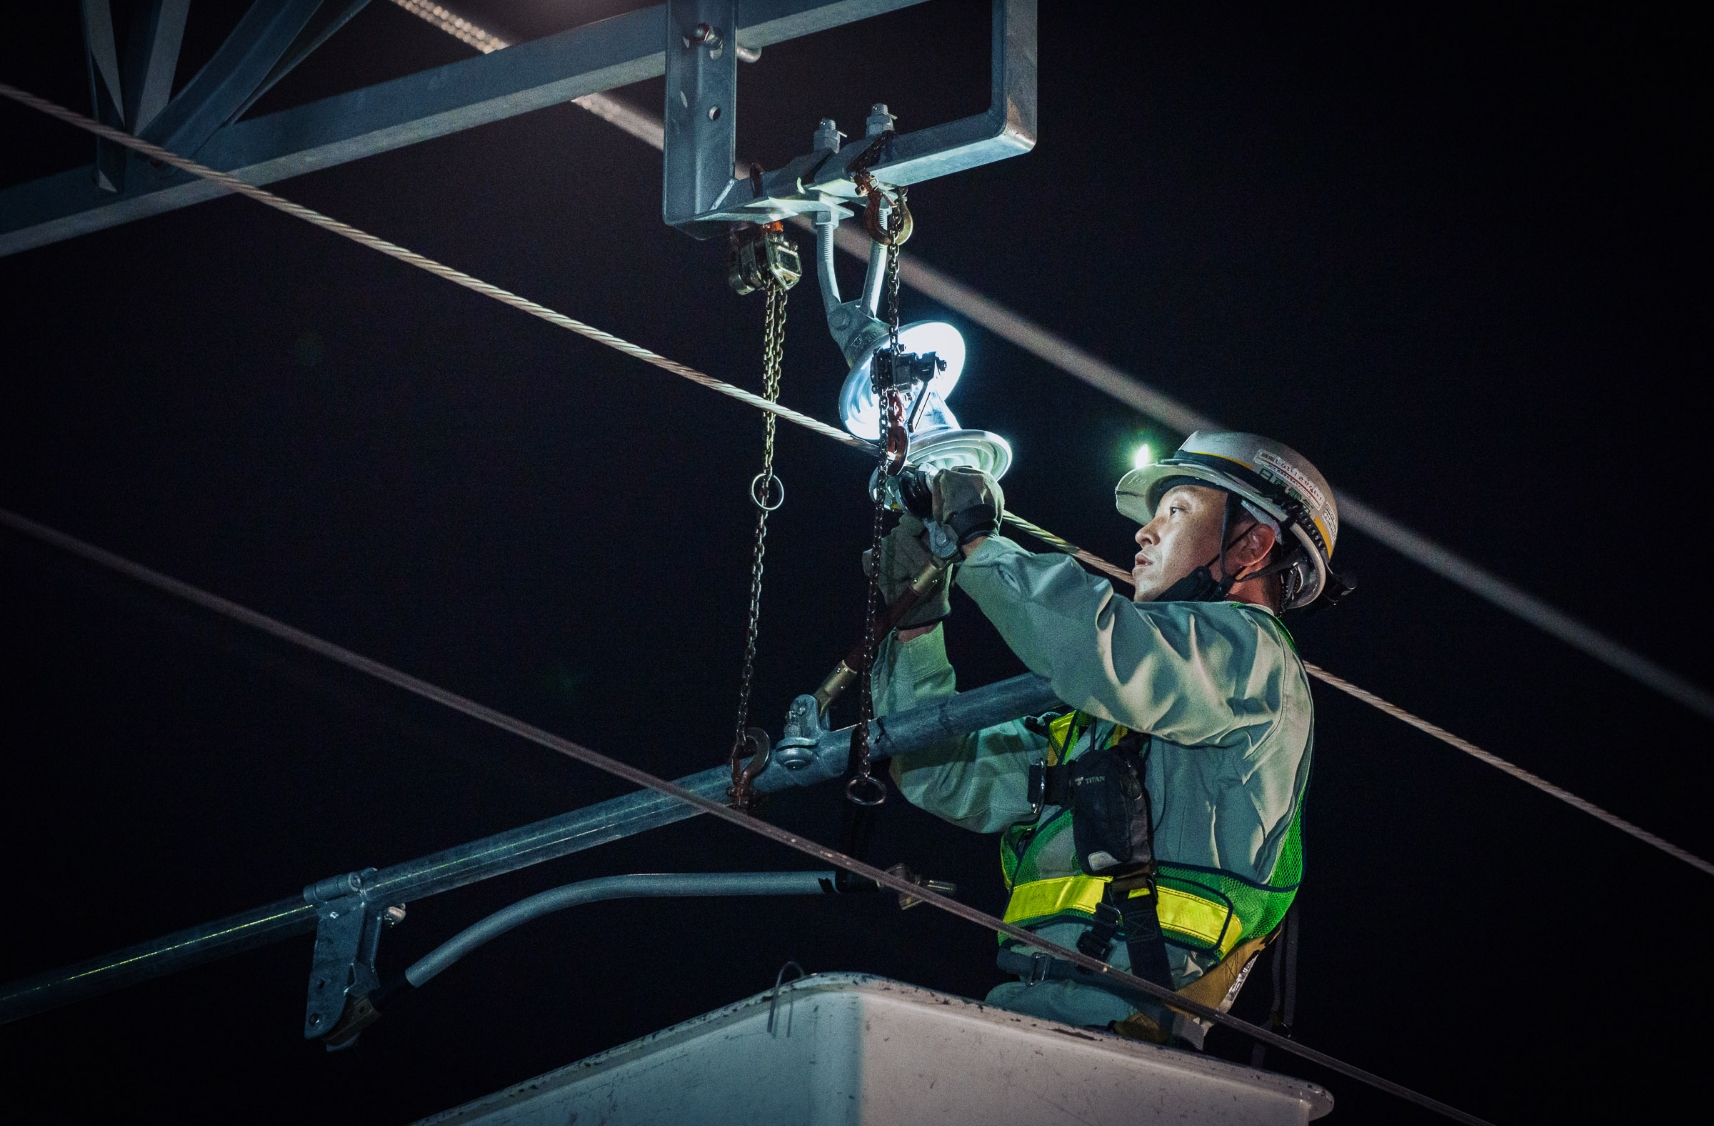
(438,269)
(400,679)
(819,427)
(1128,389)
(1518,772)
(1416,721)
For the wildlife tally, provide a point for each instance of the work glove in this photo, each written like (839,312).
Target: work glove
(969,502)
(904,555)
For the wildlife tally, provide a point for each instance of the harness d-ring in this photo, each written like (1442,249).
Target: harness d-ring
(760,498)
(866,784)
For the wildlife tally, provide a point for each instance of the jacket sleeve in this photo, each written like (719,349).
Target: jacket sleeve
(979,782)
(1194,673)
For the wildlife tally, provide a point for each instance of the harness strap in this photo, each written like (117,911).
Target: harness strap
(1199,922)
(1133,904)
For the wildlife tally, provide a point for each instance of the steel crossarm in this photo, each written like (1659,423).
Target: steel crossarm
(522,847)
(389,115)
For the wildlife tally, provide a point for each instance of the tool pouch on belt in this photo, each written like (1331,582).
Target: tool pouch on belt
(1112,823)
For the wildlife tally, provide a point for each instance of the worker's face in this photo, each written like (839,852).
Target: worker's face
(1184,535)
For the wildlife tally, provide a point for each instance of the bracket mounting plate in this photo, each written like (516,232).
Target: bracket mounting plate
(702,197)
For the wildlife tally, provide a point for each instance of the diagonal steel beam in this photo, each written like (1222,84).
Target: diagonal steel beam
(544,72)
(314,34)
(106,93)
(232,75)
(151,55)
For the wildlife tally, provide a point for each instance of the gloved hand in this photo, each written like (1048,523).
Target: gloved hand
(969,502)
(904,555)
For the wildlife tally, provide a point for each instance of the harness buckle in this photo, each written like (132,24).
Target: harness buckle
(1040,963)
(1097,941)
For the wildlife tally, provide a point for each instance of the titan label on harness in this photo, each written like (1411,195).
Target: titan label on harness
(1112,820)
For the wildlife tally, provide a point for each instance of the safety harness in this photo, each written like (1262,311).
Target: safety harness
(1119,889)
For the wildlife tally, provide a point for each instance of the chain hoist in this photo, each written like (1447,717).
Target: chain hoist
(864,788)
(761,258)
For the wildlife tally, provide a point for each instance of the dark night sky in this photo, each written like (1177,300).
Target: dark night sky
(1454,256)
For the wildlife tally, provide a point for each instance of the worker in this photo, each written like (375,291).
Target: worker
(1155,822)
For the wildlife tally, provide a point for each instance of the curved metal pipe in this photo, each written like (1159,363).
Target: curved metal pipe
(473,861)
(617,887)
(826,224)
(875,279)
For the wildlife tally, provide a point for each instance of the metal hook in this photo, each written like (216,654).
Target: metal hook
(774,1001)
(872,219)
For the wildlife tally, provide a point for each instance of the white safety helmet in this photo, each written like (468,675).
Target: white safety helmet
(1266,475)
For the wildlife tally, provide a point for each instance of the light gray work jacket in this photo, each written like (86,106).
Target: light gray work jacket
(1218,685)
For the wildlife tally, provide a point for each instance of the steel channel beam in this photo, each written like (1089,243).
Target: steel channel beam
(504,852)
(811,182)
(433,103)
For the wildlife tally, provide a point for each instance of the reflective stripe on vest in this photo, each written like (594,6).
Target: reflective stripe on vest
(1207,922)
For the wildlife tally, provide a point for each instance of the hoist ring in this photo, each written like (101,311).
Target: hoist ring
(872,220)
(854,790)
(759,499)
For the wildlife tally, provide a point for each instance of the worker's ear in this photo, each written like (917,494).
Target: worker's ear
(1254,547)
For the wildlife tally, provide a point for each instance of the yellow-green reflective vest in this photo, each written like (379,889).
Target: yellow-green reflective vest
(1207,910)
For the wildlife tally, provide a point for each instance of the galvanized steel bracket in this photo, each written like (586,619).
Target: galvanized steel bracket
(702,195)
(347,936)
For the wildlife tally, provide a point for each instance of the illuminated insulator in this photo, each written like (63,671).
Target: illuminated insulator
(937,441)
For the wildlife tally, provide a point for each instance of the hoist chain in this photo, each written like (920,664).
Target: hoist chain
(767,492)
(864,788)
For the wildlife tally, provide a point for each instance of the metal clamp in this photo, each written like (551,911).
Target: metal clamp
(342,969)
(906,902)
(803,731)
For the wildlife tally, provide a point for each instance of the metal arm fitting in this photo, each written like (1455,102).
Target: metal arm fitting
(701,195)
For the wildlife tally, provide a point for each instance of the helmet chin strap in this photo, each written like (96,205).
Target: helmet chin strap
(1201,585)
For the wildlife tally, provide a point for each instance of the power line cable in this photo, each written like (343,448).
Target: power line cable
(1019,330)
(438,269)
(398,678)
(1096,562)
(1353,513)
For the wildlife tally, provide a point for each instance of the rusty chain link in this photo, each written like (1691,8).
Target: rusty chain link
(864,788)
(745,740)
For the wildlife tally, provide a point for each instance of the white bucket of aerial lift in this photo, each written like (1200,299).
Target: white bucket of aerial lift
(937,441)
(851,1049)
(1263,473)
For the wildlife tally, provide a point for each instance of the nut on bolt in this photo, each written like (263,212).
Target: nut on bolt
(704,35)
